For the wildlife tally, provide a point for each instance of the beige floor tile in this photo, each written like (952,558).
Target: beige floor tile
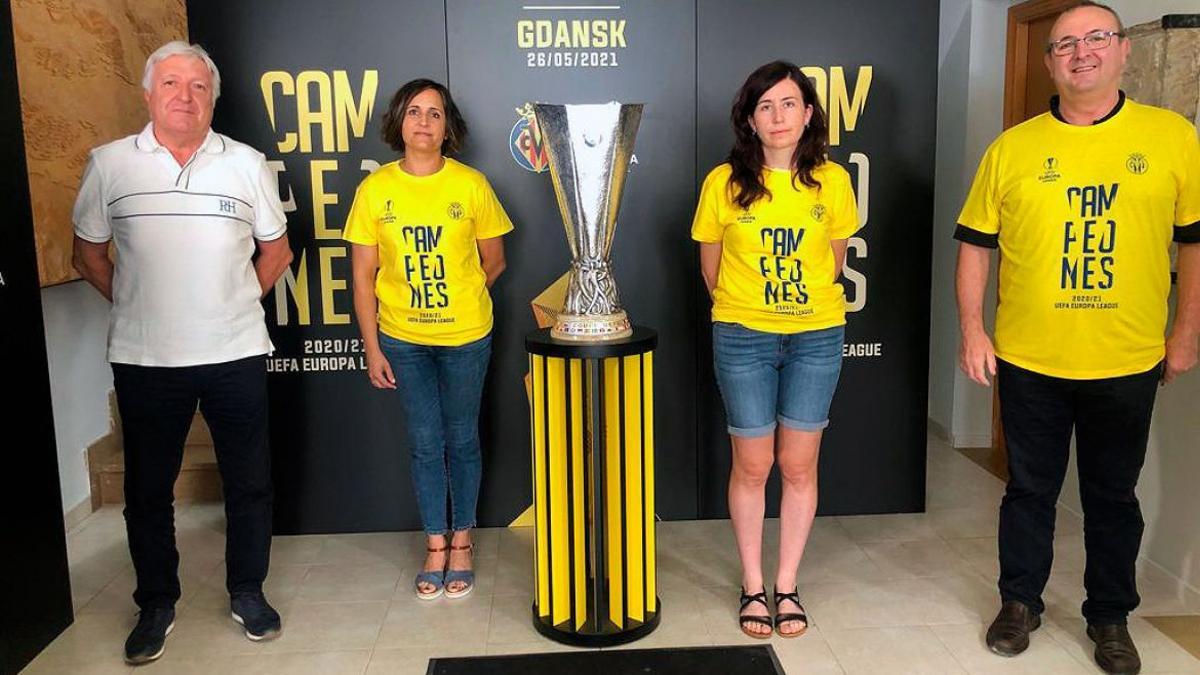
(886,593)
(375,548)
(300,663)
(1159,653)
(836,564)
(1067,523)
(412,660)
(487,542)
(1045,655)
(511,620)
(895,651)
(889,527)
(961,598)
(970,521)
(944,492)
(913,559)
(808,654)
(329,626)
(441,622)
(542,646)
(349,583)
(699,534)
(44,666)
(512,574)
(828,534)
(296,550)
(698,567)
(982,553)
(95,557)
(92,638)
(897,602)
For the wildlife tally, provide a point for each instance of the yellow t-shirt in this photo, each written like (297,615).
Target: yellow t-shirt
(431,286)
(1084,218)
(777,268)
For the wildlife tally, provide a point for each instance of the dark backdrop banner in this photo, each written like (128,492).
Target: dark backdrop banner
(35,583)
(307,82)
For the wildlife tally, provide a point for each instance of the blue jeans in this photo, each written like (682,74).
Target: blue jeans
(440,391)
(766,378)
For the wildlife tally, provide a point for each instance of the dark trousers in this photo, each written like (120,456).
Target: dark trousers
(157,406)
(1111,421)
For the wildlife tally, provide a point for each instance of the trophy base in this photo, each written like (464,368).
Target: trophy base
(592,327)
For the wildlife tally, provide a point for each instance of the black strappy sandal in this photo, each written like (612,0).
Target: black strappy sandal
(783,617)
(745,621)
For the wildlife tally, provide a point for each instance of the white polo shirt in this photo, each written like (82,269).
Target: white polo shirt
(184,289)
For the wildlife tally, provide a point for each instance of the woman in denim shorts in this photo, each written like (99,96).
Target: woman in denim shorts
(772,223)
(427,242)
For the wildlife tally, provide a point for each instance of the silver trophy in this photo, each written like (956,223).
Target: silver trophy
(589,147)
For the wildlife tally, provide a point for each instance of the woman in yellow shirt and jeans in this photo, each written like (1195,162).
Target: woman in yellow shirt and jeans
(427,247)
(772,223)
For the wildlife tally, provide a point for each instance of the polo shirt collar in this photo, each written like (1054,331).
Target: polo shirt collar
(1054,105)
(146,142)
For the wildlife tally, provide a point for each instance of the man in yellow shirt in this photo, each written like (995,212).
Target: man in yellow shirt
(1083,203)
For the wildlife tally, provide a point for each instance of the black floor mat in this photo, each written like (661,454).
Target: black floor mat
(742,660)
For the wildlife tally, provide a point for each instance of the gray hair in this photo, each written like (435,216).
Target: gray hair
(181,48)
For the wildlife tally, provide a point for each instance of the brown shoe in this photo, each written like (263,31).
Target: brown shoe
(1009,633)
(1115,652)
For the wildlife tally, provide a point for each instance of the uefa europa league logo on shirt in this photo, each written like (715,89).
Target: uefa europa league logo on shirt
(589,147)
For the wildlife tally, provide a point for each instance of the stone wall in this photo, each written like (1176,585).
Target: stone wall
(1164,65)
(79,66)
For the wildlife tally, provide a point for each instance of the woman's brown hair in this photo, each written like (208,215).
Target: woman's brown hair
(746,183)
(393,119)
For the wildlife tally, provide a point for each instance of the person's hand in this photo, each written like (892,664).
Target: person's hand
(1181,356)
(379,371)
(977,357)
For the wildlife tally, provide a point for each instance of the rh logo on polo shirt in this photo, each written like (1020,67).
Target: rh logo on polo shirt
(228,206)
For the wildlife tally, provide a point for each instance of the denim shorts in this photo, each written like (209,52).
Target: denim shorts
(767,378)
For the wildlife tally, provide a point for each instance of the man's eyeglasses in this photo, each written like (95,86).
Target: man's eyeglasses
(1097,39)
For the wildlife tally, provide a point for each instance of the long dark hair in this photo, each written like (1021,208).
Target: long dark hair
(746,183)
(393,119)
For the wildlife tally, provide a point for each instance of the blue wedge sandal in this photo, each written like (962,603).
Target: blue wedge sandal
(435,578)
(461,576)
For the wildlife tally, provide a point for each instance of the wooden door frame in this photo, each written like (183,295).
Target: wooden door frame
(1017,55)
(1016,64)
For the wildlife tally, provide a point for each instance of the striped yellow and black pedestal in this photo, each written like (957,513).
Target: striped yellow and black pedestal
(592,430)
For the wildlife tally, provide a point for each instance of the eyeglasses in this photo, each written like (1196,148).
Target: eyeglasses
(1097,39)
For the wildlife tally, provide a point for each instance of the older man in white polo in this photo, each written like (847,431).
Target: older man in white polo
(200,237)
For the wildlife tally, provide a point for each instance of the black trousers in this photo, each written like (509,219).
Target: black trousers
(1111,421)
(157,406)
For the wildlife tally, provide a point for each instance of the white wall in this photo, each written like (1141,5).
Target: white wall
(76,320)
(969,116)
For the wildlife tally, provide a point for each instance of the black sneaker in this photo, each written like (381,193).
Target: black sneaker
(252,611)
(149,636)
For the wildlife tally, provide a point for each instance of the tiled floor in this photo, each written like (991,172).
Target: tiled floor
(887,594)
